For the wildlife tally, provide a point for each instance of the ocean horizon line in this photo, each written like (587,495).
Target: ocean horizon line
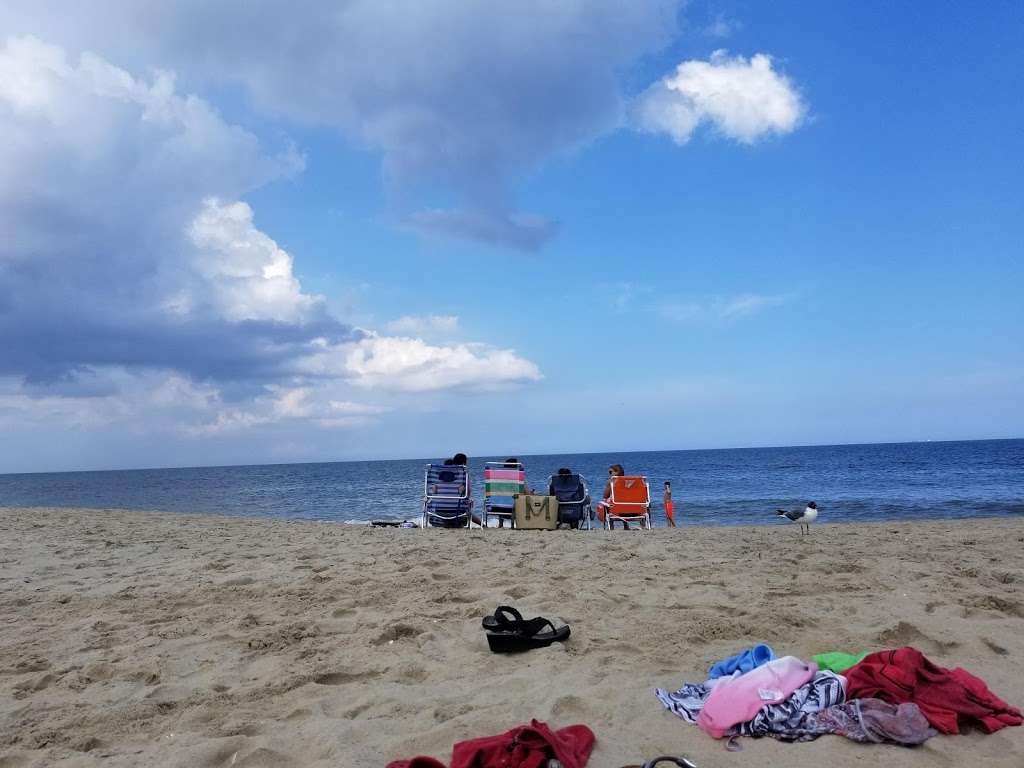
(185,467)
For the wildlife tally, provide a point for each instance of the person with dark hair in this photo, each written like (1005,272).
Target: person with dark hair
(670,517)
(461,460)
(512,463)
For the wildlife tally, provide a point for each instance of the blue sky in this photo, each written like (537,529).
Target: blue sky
(598,227)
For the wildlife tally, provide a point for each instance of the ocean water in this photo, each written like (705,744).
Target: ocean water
(744,486)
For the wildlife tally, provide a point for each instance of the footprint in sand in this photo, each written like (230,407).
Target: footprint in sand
(449,712)
(1009,608)
(282,637)
(344,678)
(31,663)
(240,728)
(35,684)
(356,711)
(997,649)
(905,633)
(397,632)
(86,744)
(409,674)
(570,709)
(454,597)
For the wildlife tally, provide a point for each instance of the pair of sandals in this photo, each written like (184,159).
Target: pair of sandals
(682,762)
(508,632)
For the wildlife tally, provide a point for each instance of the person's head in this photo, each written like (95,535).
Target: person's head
(565,471)
(616,470)
(448,462)
(511,462)
(668,485)
(460,459)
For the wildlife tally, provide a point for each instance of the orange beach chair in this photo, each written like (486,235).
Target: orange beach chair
(630,501)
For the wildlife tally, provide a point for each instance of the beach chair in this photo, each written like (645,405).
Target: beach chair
(574,507)
(630,501)
(446,499)
(502,481)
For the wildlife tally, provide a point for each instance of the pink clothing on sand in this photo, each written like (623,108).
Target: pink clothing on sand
(737,699)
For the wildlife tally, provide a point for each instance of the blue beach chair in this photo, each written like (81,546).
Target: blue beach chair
(446,500)
(574,507)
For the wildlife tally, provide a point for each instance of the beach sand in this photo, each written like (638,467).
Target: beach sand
(151,639)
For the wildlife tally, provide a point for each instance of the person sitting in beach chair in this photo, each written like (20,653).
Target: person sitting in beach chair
(446,497)
(629,501)
(602,506)
(574,509)
(502,481)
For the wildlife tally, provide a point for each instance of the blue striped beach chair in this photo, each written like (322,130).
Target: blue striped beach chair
(502,481)
(446,497)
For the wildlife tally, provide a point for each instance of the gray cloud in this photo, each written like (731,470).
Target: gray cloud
(101,175)
(527,232)
(127,255)
(462,99)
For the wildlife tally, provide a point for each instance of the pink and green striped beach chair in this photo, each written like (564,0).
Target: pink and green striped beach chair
(502,481)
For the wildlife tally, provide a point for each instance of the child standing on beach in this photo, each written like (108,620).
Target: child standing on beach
(667,501)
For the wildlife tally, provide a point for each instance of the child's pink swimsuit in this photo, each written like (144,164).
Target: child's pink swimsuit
(737,699)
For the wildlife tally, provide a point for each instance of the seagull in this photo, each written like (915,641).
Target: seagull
(804,516)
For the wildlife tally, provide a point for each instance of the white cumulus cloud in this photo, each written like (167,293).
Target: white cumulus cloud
(413,365)
(250,275)
(134,280)
(742,99)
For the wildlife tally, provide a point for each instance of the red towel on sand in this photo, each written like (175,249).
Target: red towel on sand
(945,696)
(526,746)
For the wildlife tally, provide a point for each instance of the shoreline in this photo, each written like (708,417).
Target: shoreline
(771,521)
(190,639)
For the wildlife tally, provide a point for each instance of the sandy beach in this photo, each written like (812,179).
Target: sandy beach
(152,639)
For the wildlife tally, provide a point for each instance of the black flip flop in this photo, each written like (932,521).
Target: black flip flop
(682,762)
(527,636)
(504,618)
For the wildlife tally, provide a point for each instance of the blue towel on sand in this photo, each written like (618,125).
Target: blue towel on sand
(752,658)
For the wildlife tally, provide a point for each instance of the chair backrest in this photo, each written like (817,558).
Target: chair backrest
(502,481)
(630,492)
(446,481)
(567,488)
